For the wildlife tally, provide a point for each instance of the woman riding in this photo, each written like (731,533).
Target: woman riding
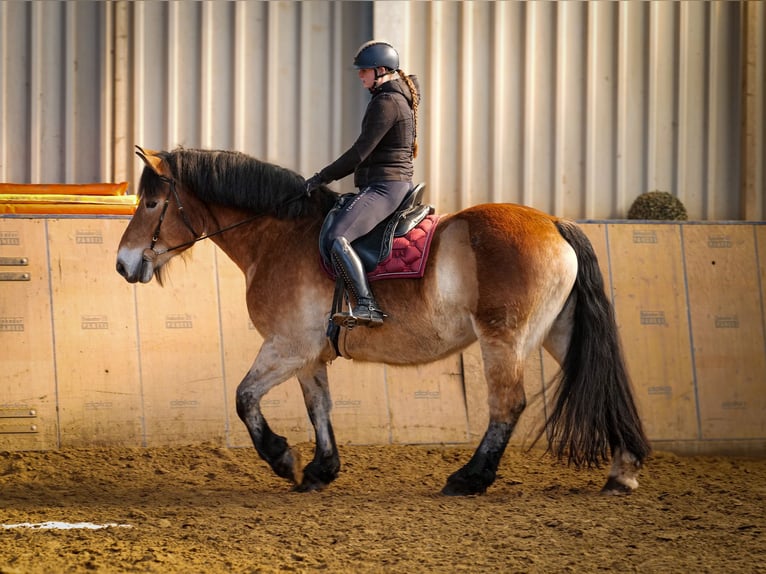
(381,160)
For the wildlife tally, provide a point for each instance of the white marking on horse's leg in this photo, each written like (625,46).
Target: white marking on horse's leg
(623,473)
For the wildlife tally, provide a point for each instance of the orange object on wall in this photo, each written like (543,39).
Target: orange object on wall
(65,188)
(57,199)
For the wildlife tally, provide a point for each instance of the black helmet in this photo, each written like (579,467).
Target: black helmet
(375,54)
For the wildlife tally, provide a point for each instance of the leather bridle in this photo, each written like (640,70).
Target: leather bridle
(172,189)
(197,236)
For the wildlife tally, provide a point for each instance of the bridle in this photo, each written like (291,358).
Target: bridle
(197,236)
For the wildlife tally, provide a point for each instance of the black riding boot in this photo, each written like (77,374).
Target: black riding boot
(349,266)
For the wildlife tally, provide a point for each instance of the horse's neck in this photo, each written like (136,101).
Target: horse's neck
(267,241)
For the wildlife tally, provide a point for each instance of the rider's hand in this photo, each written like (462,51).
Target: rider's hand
(312,183)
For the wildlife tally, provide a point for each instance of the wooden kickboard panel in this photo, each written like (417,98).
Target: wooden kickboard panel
(727,329)
(181,365)
(760,241)
(360,406)
(371,403)
(283,406)
(427,402)
(650,304)
(95,332)
(28,419)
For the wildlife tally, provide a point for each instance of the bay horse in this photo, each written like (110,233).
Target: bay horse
(509,276)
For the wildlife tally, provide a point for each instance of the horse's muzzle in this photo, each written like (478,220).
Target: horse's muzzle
(135,267)
(122,270)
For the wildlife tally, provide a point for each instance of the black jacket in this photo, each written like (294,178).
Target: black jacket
(384,149)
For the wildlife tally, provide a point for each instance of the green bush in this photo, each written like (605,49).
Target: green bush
(657,205)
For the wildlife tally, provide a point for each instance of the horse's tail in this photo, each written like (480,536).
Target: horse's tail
(593,405)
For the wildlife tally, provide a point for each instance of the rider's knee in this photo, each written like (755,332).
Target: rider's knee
(340,244)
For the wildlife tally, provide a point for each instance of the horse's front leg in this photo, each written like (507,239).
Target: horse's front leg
(324,468)
(268,370)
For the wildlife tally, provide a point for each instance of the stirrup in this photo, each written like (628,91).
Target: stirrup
(362,315)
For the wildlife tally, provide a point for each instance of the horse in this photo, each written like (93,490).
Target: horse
(508,276)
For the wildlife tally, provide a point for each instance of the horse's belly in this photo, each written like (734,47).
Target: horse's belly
(400,344)
(429,318)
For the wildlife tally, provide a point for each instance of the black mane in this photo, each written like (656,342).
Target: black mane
(238,180)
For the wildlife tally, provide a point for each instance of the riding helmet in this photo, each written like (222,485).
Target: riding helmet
(374,54)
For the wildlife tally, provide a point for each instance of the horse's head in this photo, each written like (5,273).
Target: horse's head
(161,227)
(184,191)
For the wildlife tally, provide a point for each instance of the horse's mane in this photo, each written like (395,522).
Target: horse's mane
(238,180)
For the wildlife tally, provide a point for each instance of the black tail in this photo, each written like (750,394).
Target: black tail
(594,406)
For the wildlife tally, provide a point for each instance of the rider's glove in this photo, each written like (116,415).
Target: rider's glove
(312,183)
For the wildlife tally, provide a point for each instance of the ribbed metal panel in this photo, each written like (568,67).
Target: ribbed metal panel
(578,107)
(268,78)
(754,112)
(572,107)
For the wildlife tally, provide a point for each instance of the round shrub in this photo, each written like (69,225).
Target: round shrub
(657,205)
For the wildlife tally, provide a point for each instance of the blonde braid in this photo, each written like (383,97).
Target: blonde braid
(415,102)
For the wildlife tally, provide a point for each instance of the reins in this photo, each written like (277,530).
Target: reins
(198,237)
(204,236)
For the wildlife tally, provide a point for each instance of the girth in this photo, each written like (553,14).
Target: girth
(376,245)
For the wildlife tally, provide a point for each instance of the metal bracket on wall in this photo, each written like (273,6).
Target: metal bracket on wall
(14,275)
(18,420)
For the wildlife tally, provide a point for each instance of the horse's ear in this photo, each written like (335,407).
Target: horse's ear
(154,160)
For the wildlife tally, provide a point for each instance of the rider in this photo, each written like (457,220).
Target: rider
(381,160)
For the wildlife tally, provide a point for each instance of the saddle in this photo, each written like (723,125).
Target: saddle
(375,247)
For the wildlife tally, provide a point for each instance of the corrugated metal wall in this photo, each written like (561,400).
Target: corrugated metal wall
(572,107)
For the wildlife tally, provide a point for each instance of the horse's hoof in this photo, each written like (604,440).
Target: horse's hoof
(451,490)
(462,488)
(309,486)
(318,474)
(289,466)
(614,487)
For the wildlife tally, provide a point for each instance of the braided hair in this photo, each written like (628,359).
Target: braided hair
(415,102)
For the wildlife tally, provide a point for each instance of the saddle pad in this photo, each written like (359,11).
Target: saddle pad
(409,254)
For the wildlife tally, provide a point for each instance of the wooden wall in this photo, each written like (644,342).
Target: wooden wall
(87,359)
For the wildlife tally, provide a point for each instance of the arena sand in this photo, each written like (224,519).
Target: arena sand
(210,509)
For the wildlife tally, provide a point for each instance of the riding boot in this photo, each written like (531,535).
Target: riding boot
(348,265)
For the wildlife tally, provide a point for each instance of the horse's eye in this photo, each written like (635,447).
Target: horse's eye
(151,204)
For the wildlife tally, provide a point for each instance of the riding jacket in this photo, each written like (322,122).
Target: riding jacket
(384,149)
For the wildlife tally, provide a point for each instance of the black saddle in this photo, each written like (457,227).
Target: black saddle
(375,247)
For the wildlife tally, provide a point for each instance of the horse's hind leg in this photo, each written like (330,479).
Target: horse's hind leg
(623,474)
(325,466)
(504,371)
